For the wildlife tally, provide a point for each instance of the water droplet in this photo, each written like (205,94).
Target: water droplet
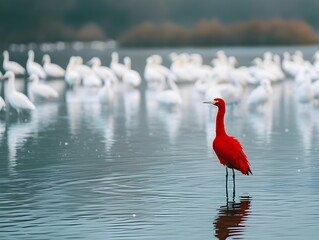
(66,143)
(134,215)
(286,130)
(299,170)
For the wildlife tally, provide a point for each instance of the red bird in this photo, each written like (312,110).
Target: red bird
(227,148)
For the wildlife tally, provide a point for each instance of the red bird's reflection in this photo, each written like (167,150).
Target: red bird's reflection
(231,218)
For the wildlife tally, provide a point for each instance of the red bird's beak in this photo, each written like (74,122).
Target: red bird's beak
(210,102)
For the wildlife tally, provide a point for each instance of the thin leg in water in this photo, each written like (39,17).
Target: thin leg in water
(226,184)
(233,184)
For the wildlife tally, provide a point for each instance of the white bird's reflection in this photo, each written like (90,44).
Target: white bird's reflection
(199,109)
(17,137)
(261,122)
(81,101)
(132,98)
(168,117)
(2,130)
(304,121)
(171,120)
(315,115)
(18,133)
(151,104)
(107,125)
(46,114)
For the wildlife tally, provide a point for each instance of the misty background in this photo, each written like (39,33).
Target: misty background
(144,22)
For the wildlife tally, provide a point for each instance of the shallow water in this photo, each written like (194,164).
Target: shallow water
(75,169)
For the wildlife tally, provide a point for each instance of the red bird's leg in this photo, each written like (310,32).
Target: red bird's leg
(226,184)
(233,184)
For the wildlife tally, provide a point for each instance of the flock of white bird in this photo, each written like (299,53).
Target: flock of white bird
(221,78)
(224,79)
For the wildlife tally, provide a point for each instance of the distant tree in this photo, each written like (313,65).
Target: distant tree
(215,33)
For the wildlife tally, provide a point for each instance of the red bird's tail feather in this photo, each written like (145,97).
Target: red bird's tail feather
(249,172)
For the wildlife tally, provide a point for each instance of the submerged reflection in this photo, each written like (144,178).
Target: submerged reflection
(261,122)
(171,119)
(17,138)
(231,218)
(22,133)
(81,102)
(132,98)
(304,122)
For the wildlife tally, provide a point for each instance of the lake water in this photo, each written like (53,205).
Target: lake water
(76,169)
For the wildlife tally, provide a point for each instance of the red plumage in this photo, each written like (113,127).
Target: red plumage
(230,153)
(227,148)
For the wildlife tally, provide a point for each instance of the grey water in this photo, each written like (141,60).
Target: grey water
(77,169)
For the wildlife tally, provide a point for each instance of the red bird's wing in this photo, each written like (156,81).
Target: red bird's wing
(230,153)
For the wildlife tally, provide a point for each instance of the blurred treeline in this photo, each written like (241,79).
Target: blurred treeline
(214,32)
(175,22)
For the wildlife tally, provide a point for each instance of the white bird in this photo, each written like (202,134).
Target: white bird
(231,92)
(260,72)
(241,74)
(170,95)
(106,93)
(212,89)
(72,76)
(260,95)
(304,90)
(52,69)
(200,85)
(2,102)
(42,90)
(33,67)
(102,71)
(118,68)
(158,60)
(16,99)
(153,75)
(180,67)
(89,77)
(131,77)
(315,90)
(8,65)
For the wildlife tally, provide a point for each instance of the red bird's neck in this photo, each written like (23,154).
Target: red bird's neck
(220,127)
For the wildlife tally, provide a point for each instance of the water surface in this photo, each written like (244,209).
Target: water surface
(76,169)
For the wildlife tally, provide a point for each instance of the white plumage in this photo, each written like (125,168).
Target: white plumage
(52,69)
(89,77)
(16,99)
(304,90)
(260,95)
(153,74)
(106,93)
(8,65)
(169,95)
(131,77)
(33,67)
(42,90)
(2,103)
(72,76)
(118,68)
(102,71)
